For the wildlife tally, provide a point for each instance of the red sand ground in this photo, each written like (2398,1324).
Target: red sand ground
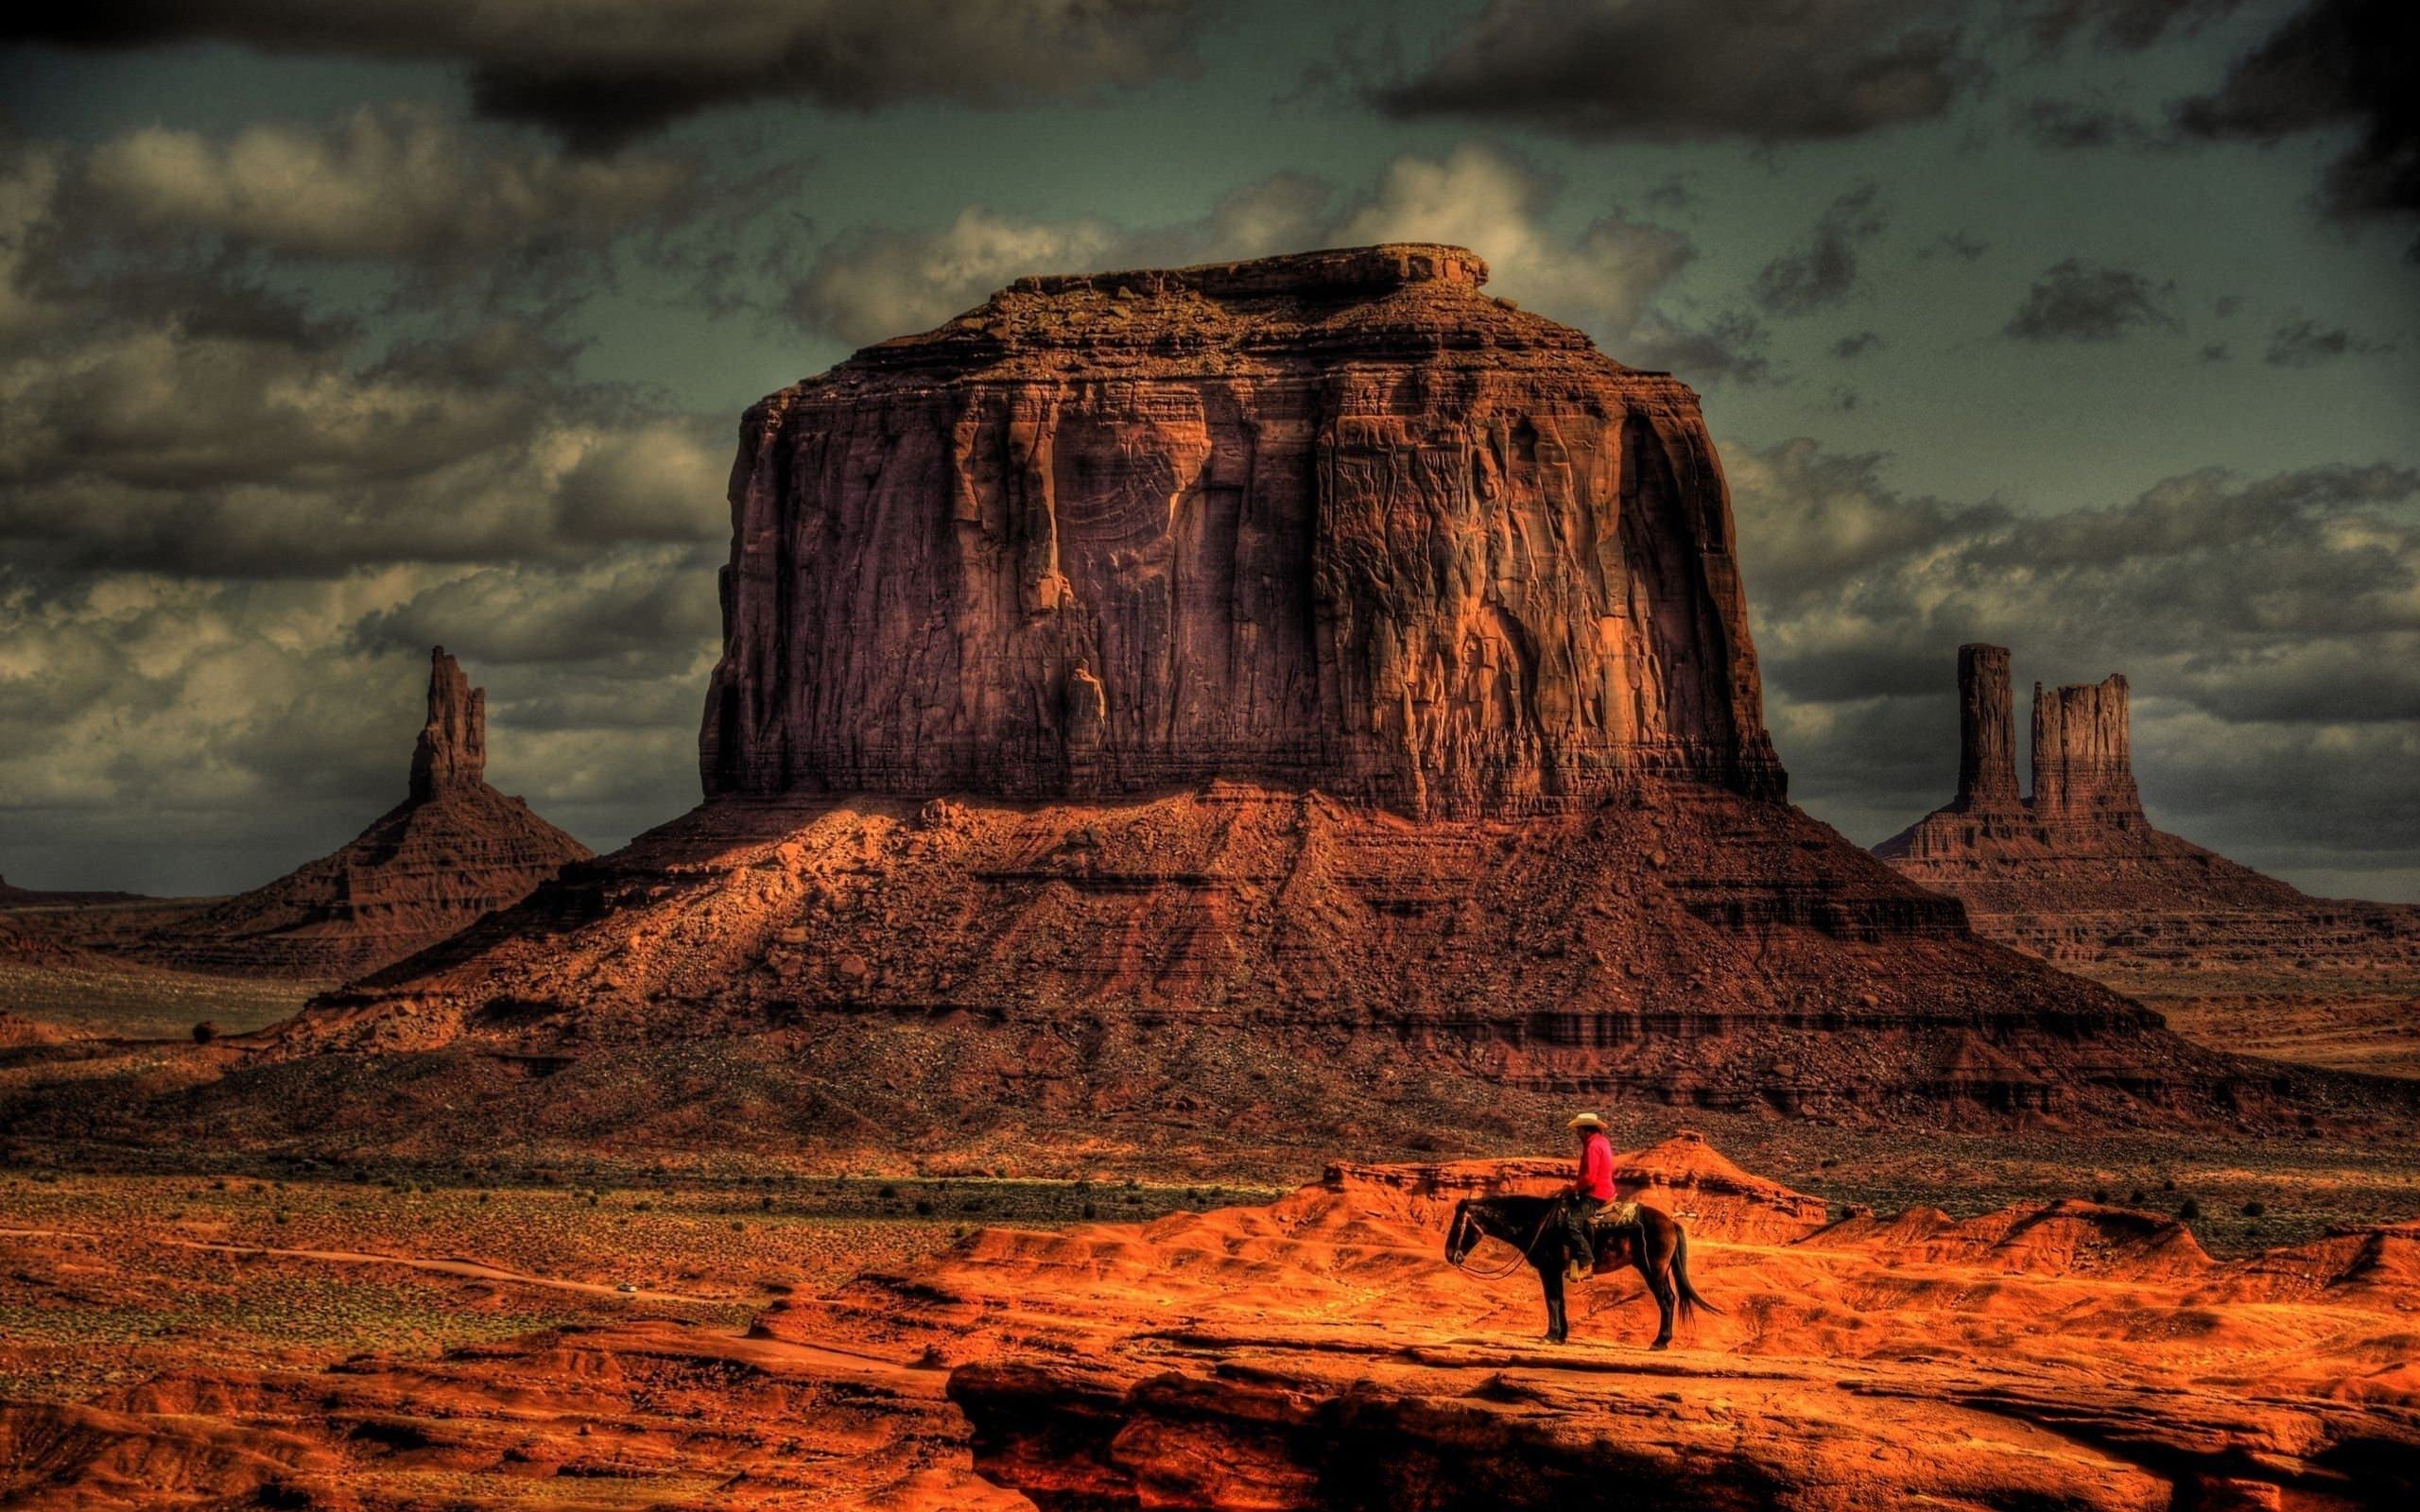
(1318,1352)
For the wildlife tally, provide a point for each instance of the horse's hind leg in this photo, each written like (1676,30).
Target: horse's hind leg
(1659,1283)
(1558,1324)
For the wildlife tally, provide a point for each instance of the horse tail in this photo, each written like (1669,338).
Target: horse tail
(1690,1300)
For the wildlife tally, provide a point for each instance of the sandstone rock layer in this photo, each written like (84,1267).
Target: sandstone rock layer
(452,851)
(1339,520)
(1263,965)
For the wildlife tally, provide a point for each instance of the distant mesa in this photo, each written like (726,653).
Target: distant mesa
(12,896)
(453,849)
(2076,874)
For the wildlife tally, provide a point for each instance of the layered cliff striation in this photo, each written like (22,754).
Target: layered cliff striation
(452,851)
(1336,521)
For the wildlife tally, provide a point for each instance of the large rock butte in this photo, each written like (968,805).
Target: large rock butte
(452,851)
(1334,521)
(2078,875)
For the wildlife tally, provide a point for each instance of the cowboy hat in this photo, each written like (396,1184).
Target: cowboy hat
(1585,1121)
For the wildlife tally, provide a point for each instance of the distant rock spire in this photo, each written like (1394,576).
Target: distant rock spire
(453,749)
(1986,730)
(2082,752)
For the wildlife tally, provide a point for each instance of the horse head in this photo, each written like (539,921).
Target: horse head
(1461,1234)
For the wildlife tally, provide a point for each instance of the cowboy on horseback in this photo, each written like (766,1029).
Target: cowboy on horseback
(1592,1190)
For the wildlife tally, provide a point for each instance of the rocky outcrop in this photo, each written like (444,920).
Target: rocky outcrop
(452,752)
(452,851)
(2083,764)
(1986,734)
(2077,874)
(1334,521)
(1320,1353)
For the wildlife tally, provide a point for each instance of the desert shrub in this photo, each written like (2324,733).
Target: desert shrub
(2255,1209)
(2188,1210)
(204,1032)
(923,1206)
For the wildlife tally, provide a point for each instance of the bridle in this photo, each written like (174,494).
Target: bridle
(1520,1257)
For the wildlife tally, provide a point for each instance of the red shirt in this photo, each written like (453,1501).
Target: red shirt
(1596,1167)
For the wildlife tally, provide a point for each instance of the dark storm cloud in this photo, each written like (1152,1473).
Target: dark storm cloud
(1816,520)
(1692,70)
(633,605)
(2269,627)
(2342,66)
(2128,25)
(2072,125)
(170,411)
(399,182)
(1825,271)
(2307,344)
(2072,302)
(1856,345)
(1957,244)
(232,523)
(600,73)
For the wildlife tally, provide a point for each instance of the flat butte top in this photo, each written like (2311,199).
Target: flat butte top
(1400,302)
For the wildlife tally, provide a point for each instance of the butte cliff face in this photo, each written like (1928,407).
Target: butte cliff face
(452,851)
(1337,521)
(2078,874)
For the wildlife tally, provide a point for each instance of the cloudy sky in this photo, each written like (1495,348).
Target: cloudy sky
(2091,327)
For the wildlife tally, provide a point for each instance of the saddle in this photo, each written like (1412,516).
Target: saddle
(1607,1234)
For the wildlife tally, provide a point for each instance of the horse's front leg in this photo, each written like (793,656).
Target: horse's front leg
(1558,1327)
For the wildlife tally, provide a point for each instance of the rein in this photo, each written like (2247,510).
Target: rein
(1518,1261)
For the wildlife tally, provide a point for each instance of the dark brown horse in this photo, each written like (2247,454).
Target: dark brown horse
(1653,1243)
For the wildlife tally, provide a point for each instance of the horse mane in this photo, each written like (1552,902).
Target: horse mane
(1515,1207)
